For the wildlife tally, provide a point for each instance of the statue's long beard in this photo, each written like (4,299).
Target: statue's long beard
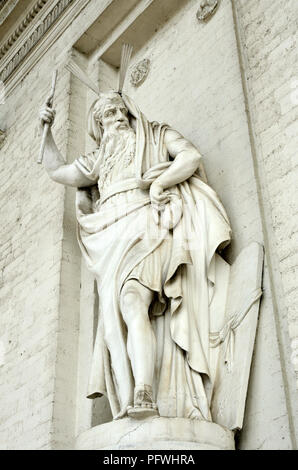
(118,142)
(117,147)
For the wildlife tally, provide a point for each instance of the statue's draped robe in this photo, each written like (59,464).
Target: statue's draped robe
(120,241)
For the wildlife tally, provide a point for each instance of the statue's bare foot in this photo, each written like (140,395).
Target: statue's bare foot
(143,403)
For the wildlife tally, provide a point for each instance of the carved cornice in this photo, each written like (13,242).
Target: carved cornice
(40,30)
(6,7)
(21,27)
(71,15)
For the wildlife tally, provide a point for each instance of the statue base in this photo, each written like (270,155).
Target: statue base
(157,433)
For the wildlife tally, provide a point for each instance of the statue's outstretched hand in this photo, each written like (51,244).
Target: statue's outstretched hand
(47,115)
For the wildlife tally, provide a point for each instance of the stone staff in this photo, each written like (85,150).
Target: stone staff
(47,126)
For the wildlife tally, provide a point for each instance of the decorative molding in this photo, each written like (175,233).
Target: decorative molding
(139,72)
(72,13)
(21,27)
(40,30)
(207,9)
(6,7)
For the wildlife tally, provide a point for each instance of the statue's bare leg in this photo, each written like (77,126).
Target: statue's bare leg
(141,343)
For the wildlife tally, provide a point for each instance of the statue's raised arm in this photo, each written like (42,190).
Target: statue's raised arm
(53,161)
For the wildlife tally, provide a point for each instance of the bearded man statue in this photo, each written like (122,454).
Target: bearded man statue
(150,228)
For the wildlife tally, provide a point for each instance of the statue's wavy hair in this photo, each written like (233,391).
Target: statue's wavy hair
(94,127)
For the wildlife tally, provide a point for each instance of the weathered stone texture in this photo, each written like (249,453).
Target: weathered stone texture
(195,72)
(269,37)
(31,247)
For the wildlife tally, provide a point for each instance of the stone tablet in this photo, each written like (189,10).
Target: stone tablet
(238,335)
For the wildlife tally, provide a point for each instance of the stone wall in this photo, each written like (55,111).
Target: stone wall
(268,42)
(31,247)
(269,36)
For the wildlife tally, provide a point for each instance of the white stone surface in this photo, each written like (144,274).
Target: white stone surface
(272,86)
(32,245)
(128,247)
(157,434)
(268,40)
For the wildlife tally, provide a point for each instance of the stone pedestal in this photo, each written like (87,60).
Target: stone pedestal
(157,434)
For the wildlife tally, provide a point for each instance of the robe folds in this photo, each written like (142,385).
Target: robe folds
(120,241)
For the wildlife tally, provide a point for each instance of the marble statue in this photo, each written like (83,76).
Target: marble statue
(154,283)
(150,229)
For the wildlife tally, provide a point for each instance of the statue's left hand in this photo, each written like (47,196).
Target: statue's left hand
(167,206)
(159,198)
(158,195)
